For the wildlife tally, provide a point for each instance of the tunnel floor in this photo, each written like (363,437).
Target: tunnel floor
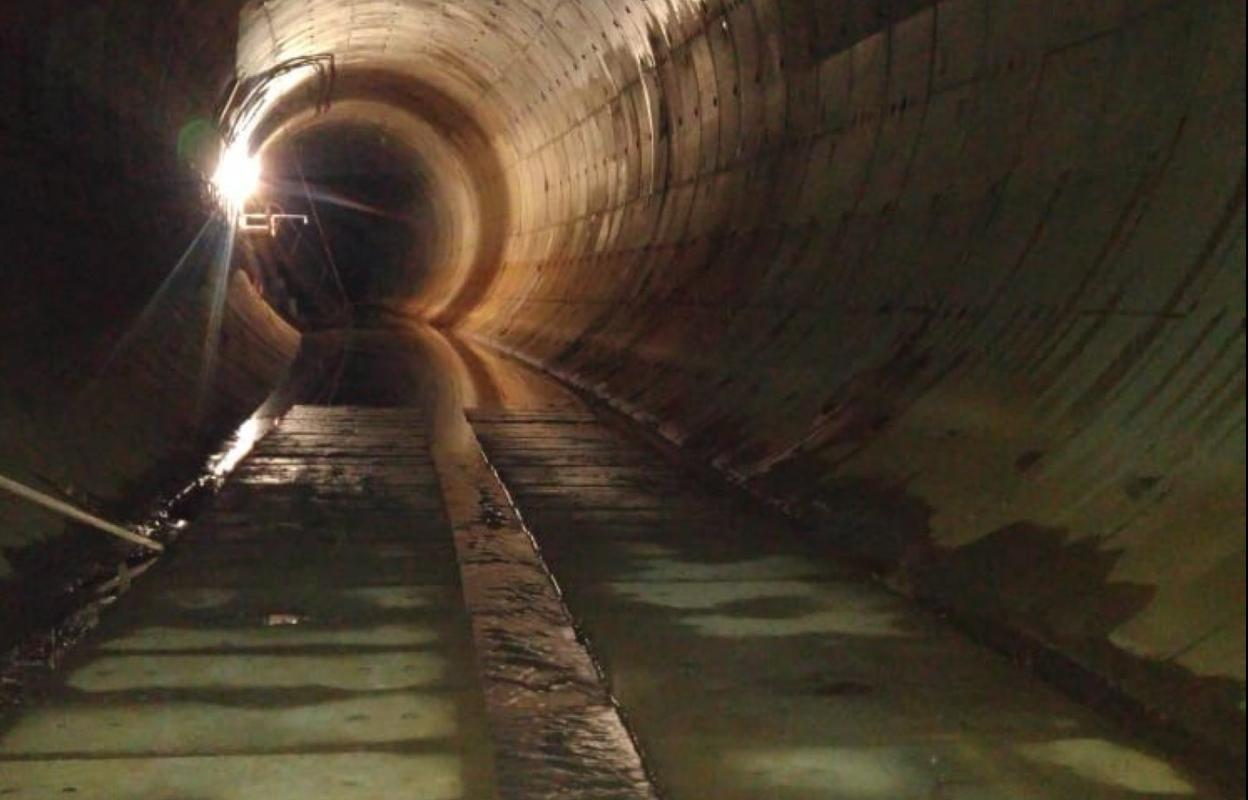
(390,598)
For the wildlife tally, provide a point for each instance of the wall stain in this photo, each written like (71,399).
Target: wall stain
(1034,593)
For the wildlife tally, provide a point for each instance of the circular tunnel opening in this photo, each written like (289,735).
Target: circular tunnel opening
(370,233)
(406,204)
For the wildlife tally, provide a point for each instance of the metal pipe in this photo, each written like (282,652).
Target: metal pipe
(65,509)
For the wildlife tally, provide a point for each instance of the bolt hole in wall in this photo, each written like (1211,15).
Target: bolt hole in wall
(960,282)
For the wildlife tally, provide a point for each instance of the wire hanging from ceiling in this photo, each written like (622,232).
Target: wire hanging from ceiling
(247,95)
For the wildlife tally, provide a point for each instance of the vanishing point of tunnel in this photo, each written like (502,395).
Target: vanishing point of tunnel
(622,399)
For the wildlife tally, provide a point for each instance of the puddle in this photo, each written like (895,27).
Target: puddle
(755,598)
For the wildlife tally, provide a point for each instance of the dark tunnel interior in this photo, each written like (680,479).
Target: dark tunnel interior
(371,201)
(667,399)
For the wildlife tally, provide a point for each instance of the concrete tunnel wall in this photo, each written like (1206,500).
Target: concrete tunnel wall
(961,282)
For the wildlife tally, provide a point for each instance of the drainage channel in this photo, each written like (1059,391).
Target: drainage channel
(314,376)
(306,638)
(557,731)
(41,651)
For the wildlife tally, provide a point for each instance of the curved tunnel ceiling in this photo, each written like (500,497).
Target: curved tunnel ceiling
(963,280)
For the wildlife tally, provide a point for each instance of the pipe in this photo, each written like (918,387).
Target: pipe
(66,510)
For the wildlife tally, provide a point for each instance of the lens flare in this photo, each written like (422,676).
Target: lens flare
(237,177)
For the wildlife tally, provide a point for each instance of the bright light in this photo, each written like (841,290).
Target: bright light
(237,177)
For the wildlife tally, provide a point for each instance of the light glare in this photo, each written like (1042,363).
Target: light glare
(237,177)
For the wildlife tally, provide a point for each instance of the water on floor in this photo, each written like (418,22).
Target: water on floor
(305,639)
(376,607)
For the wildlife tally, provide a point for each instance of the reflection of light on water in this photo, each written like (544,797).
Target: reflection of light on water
(239,446)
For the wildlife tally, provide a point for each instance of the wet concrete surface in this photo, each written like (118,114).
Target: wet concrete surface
(305,639)
(751,668)
(558,733)
(390,599)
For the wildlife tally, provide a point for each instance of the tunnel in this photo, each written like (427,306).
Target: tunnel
(681,399)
